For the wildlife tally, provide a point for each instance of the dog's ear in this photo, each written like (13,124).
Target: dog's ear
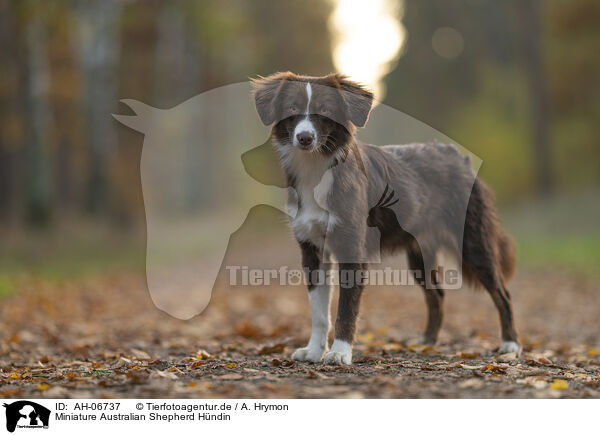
(358,99)
(266,90)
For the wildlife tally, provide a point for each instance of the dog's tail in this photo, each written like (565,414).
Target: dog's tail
(506,248)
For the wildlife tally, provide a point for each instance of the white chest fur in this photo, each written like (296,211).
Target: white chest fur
(312,219)
(313,184)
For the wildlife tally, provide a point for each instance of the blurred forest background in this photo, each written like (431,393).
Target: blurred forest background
(515,82)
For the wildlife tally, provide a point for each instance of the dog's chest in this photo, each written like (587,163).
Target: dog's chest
(312,218)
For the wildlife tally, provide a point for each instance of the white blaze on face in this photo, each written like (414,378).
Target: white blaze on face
(305,126)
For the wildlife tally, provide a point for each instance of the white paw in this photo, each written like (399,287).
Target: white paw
(509,346)
(308,353)
(338,358)
(340,354)
(425,341)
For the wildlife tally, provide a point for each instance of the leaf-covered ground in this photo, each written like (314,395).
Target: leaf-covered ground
(105,338)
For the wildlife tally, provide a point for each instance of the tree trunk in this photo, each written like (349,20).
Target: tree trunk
(6,29)
(98,45)
(37,180)
(536,76)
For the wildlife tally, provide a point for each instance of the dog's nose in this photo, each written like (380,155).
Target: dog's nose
(305,138)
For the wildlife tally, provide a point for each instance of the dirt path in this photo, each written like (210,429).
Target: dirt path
(105,339)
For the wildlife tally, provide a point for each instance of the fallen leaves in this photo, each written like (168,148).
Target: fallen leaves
(494,368)
(468,355)
(14,338)
(230,376)
(275,348)
(506,357)
(539,360)
(393,347)
(11,392)
(469,367)
(365,338)
(247,330)
(420,348)
(534,382)
(197,364)
(159,364)
(140,354)
(164,374)
(311,374)
(559,384)
(202,354)
(473,383)
(229,365)
(125,349)
(43,386)
(285,363)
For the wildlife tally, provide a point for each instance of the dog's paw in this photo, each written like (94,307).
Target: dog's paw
(338,358)
(426,341)
(509,346)
(308,353)
(340,354)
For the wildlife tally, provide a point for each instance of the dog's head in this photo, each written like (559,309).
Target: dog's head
(312,113)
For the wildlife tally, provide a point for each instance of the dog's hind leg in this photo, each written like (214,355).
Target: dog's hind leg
(434,296)
(488,275)
(486,259)
(319,294)
(510,340)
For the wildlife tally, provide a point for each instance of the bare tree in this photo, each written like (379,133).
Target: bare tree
(97,47)
(37,180)
(7,105)
(530,41)
(176,78)
(170,61)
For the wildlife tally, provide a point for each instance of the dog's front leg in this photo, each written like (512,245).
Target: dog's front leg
(319,295)
(351,287)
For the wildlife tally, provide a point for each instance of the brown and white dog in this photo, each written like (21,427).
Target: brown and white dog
(420,198)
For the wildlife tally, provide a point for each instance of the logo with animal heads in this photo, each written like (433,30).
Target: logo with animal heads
(26,414)
(208,169)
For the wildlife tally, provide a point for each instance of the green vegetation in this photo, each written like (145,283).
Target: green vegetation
(578,253)
(70,253)
(562,232)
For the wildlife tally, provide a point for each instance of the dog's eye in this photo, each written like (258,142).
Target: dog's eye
(324,111)
(293,109)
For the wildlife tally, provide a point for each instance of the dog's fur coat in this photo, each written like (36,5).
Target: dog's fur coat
(417,197)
